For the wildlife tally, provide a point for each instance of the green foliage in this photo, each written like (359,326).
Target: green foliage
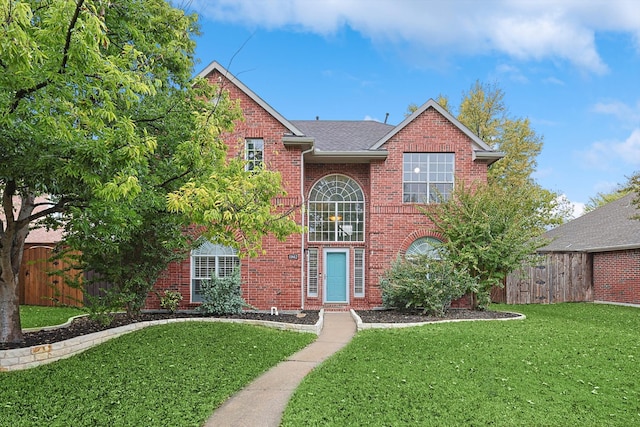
(488,232)
(170,300)
(222,295)
(159,376)
(424,283)
(564,365)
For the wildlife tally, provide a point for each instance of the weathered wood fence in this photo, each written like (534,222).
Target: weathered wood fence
(37,286)
(552,278)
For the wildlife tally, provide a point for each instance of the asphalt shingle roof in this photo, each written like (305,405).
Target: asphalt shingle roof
(607,228)
(342,135)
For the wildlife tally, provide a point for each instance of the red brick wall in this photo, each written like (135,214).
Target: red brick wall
(616,276)
(390,225)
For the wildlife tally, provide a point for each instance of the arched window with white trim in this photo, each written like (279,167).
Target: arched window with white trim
(336,210)
(210,260)
(428,246)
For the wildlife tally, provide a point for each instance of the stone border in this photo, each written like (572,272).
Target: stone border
(363,326)
(30,357)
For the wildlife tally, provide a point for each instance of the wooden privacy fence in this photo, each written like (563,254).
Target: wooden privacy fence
(37,286)
(553,278)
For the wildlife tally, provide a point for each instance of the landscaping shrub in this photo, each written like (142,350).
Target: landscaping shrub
(170,300)
(222,295)
(424,283)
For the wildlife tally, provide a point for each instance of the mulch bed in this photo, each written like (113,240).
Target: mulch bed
(84,325)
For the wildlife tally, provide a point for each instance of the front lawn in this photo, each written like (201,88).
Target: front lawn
(569,364)
(169,375)
(33,316)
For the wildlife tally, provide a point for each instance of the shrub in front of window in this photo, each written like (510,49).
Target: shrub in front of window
(425,284)
(222,295)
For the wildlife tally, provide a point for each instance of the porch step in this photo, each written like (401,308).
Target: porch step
(336,307)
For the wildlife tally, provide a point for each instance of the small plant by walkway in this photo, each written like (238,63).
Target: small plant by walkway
(170,375)
(570,364)
(33,316)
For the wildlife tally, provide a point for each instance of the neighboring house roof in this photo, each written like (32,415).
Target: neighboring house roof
(610,227)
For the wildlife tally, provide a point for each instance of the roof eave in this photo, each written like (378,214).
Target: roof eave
(304,142)
(591,250)
(215,65)
(362,156)
(490,156)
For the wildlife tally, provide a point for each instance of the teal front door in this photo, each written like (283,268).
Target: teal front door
(336,269)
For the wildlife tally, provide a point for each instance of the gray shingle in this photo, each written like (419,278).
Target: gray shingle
(341,135)
(607,228)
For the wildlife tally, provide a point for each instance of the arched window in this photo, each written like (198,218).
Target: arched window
(424,246)
(210,260)
(336,210)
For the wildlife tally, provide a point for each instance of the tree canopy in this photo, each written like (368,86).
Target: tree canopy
(99,113)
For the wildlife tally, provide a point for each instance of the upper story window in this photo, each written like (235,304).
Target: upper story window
(427,177)
(336,210)
(254,153)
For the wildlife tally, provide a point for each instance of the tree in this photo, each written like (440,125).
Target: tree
(98,111)
(488,231)
(620,191)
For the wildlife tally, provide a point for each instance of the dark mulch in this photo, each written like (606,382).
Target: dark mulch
(395,316)
(84,325)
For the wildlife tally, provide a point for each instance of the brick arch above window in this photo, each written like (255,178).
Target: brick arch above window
(412,237)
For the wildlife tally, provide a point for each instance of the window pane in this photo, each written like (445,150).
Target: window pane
(336,210)
(312,273)
(427,177)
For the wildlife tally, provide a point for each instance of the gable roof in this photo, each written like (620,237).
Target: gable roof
(215,66)
(610,227)
(480,148)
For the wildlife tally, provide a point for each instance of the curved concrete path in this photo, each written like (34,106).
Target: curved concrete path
(262,402)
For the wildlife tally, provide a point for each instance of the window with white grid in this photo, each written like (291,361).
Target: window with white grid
(312,272)
(358,273)
(427,177)
(336,210)
(210,260)
(254,153)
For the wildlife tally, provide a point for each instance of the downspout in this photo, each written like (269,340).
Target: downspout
(302,221)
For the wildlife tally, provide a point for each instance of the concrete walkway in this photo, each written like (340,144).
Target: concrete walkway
(262,402)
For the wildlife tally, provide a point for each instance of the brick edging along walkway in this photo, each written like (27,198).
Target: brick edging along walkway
(30,357)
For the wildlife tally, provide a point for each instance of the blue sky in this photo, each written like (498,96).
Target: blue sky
(572,67)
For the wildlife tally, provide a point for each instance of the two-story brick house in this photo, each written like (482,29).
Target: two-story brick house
(356,187)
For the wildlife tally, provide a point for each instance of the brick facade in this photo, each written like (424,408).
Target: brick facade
(276,278)
(616,276)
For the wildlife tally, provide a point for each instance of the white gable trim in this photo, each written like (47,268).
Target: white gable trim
(216,66)
(479,145)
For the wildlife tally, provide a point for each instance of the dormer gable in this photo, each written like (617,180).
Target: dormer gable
(481,150)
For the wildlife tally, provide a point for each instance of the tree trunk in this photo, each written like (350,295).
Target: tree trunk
(10,327)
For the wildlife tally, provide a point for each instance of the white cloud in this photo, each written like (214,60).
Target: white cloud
(524,30)
(623,112)
(608,155)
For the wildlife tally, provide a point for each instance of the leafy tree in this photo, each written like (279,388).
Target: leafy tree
(488,231)
(98,111)
(620,191)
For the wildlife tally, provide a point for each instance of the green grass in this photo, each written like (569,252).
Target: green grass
(570,364)
(32,316)
(169,375)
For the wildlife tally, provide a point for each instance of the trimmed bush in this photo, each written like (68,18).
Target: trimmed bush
(222,295)
(424,283)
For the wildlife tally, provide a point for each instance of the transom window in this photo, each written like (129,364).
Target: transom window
(424,246)
(336,210)
(210,260)
(427,177)
(254,153)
